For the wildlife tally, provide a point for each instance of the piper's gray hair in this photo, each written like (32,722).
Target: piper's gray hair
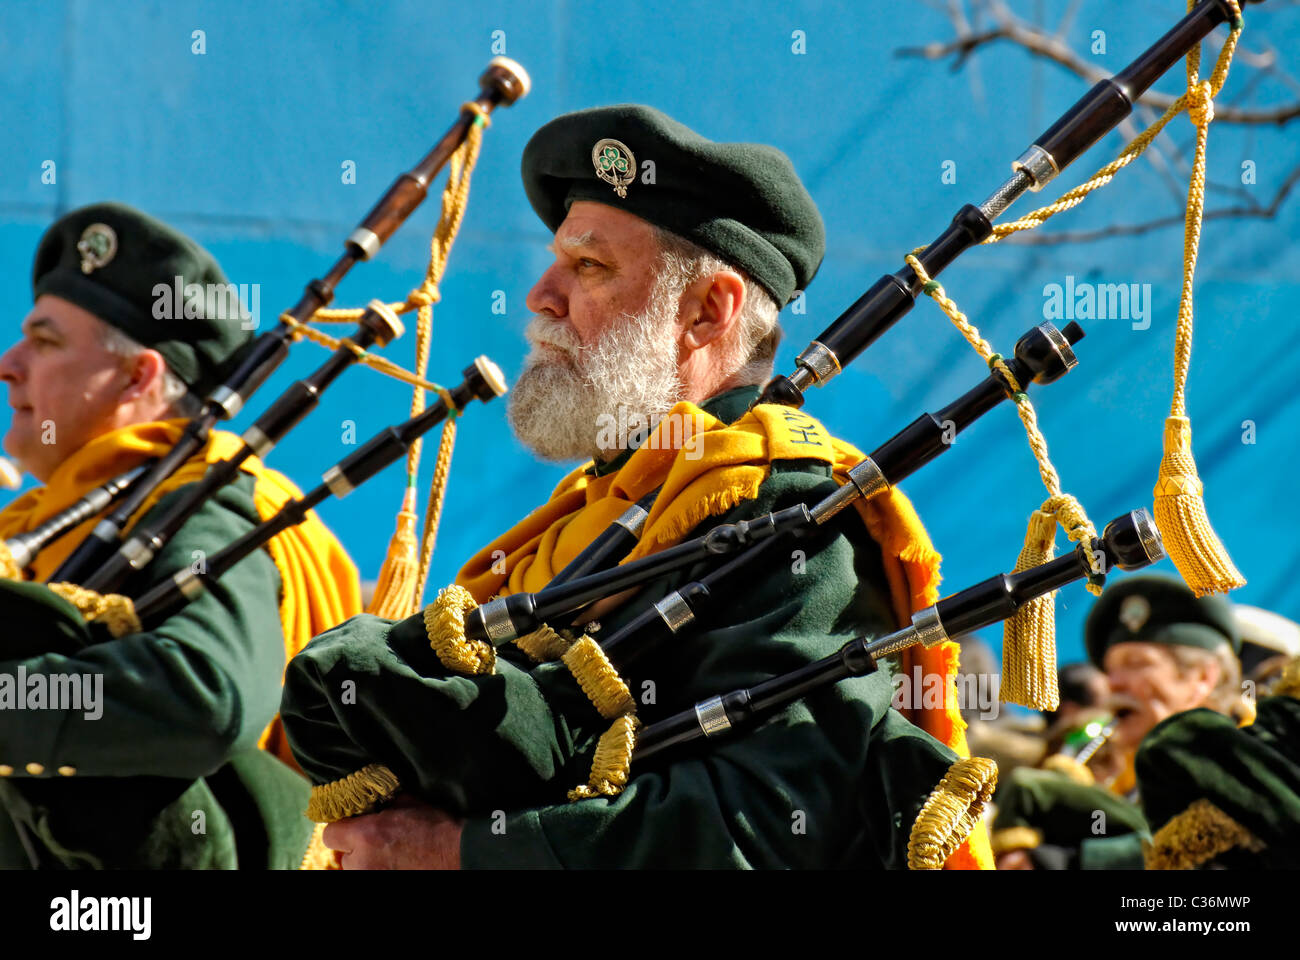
(682,262)
(1227,694)
(175,393)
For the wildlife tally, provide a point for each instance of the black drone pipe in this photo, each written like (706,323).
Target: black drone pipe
(501,84)
(377,325)
(25,546)
(1095,114)
(1043,355)
(1129,542)
(483,380)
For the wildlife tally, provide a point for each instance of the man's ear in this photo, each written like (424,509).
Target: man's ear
(146,373)
(715,305)
(1206,678)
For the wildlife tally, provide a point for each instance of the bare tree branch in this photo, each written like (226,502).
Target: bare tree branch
(1055,50)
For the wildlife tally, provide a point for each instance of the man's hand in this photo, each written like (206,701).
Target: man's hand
(405,835)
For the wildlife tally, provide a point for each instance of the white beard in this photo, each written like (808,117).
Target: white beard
(559,402)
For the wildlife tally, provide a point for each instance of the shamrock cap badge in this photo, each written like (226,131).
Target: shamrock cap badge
(614,164)
(97,246)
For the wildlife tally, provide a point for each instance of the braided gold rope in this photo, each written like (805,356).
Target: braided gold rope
(1061,505)
(353,795)
(951,812)
(111,609)
(444,623)
(433,511)
(1029,635)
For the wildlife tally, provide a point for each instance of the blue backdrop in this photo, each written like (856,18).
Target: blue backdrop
(244,144)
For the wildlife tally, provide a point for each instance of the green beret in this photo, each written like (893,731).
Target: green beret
(1216,792)
(122,265)
(1155,609)
(742,201)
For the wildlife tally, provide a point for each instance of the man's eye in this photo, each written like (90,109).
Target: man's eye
(588,262)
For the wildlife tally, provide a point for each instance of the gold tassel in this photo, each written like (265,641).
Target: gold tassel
(951,812)
(353,795)
(1193,546)
(613,760)
(394,596)
(111,609)
(444,623)
(1029,636)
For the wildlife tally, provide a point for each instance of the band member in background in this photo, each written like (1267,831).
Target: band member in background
(1165,652)
(160,765)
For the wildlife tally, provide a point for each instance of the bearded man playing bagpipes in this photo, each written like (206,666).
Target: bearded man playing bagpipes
(673,255)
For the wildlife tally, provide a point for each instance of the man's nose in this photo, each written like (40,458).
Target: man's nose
(546,297)
(11,367)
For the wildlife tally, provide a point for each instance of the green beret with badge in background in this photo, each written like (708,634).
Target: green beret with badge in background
(126,268)
(1147,608)
(167,772)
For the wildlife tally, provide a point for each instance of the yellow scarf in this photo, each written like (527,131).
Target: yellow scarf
(320,586)
(706,468)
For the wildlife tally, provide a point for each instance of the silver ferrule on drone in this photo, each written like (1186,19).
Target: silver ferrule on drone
(497,623)
(712,717)
(633,520)
(926,629)
(866,481)
(814,366)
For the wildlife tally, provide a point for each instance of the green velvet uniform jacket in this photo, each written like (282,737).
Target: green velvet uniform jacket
(168,774)
(835,780)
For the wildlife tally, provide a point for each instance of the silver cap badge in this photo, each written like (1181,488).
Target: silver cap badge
(97,246)
(1134,613)
(614,164)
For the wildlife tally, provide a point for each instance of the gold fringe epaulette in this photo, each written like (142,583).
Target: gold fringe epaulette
(355,794)
(111,609)
(951,812)
(1197,835)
